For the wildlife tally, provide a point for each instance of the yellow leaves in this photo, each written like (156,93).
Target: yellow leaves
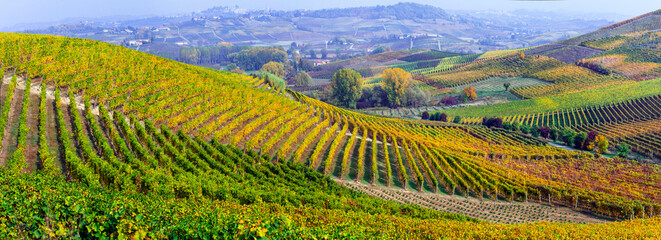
(395,81)
(274,68)
(602,144)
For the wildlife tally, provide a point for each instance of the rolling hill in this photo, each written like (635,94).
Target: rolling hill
(105,135)
(610,89)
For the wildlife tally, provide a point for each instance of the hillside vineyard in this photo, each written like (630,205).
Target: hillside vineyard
(220,155)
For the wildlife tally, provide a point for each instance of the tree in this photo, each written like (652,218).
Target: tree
(623,150)
(425,115)
(579,140)
(468,94)
(554,134)
(602,144)
(457,119)
(305,65)
(232,66)
(507,86)
(378,50)
(379,96)
(346,87)
(568,135)
(274,68)
(492,122)
(395,81)
(522,55)
(544,132)
(255,58)
(303,79)
(443,117)
(414,97)
(313,55)
(324,53)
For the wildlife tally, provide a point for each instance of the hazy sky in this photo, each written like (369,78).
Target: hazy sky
(28,11)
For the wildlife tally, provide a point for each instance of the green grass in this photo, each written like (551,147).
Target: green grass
(593,97)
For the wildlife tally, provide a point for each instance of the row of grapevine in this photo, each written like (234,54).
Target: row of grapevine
(632,110)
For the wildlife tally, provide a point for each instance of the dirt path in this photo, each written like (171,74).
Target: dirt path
(10,138)
(492,211)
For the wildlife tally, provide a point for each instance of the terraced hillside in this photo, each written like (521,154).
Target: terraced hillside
(612,93)
(187,122)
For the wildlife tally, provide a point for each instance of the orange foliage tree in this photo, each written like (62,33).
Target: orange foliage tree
(469,93)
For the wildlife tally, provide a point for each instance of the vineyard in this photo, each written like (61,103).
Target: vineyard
(587,98)
(613,93)
(127,124)
(506,66)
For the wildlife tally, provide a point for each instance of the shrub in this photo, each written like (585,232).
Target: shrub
(554,134)
(534,131)
(602,144)
(623,150)
(507,125)
(525,129)
(457,119)
(449,101)
(516,126)
(579,140)
(544,132)
(568,135)
(443,117)
(425,115)
(493,122)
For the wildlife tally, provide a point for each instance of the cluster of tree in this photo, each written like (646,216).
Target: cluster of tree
(302,64)
(255,58)
(594,67)
(395,90)
(342,40)
(209,55)
(589,141)
(380,49)
(438,116)
(466,95)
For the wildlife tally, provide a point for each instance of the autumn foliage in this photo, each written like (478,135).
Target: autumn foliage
(469,94)
(395,81)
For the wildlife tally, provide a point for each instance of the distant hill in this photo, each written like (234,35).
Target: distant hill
(399,11)
(649,21)
(570,50)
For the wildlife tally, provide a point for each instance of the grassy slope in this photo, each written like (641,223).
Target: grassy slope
(602,96)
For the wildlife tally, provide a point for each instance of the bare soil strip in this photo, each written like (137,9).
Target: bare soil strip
(489,210)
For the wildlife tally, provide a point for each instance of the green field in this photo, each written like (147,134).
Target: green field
(496,84)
